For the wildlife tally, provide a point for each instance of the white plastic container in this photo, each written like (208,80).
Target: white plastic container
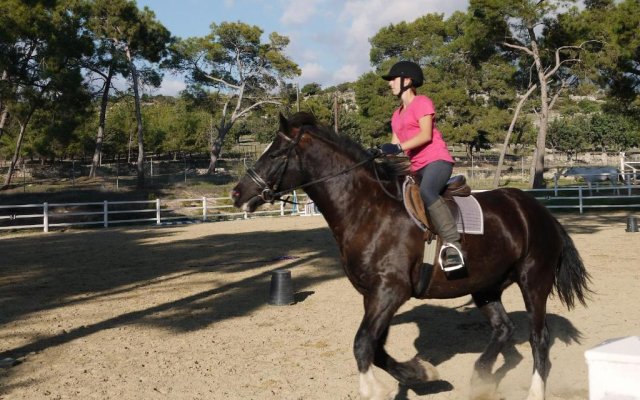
(614,369)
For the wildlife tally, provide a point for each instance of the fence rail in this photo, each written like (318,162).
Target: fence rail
(581,197)
(170,211)
(161,212)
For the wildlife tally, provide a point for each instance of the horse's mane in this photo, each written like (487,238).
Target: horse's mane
(386,168)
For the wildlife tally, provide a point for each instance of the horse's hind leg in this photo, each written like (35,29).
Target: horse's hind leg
(535,291)
(483,384)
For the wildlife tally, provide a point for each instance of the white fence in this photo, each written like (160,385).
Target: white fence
(160,212)
(582,198)
(170,211)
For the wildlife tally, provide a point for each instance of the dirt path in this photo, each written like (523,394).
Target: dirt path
(180,313)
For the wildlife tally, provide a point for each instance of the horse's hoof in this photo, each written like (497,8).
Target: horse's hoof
(422,371)
(372,389)
(381,395)
(432,371)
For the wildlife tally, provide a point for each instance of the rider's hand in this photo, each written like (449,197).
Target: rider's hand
(391,149)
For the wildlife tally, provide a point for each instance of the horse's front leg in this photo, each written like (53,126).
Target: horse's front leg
(414,371)
(379,308)
(369,346)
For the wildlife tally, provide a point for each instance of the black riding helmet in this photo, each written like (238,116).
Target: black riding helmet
(406,69)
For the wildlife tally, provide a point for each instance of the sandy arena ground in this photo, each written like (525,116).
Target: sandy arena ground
(181,312)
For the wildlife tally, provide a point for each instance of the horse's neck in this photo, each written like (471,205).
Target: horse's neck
(348,200)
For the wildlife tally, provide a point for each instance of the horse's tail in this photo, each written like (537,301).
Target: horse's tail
(572,279)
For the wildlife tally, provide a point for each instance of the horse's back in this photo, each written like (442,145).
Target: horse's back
(516,227)
(515,211)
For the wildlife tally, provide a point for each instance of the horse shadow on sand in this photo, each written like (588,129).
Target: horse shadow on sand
(465,330)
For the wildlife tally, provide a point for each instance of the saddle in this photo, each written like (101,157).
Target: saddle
(456,186)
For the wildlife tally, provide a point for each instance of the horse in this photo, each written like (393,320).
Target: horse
(595,175)
(381,251)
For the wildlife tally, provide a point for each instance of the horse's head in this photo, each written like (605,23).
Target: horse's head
(279,167)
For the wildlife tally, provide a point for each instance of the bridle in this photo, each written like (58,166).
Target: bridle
(271,193)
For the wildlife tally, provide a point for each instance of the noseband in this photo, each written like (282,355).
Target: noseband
(270,193)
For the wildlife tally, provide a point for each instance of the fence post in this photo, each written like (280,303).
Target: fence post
(472,175)
(45,216)
(105,210)
(281,208)
(580,198)
(245,216)
(294,207)
(204,208)
(555,184)
(628,184)
(158,220)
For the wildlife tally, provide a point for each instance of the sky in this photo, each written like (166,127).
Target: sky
(329,39)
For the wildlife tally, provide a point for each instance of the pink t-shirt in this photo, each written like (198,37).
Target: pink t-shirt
(405,124)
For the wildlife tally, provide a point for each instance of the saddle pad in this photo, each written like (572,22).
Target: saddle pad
(470,219)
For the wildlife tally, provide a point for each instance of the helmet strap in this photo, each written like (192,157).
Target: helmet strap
(403,88)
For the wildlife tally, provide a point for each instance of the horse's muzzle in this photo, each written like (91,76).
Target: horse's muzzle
(235,197)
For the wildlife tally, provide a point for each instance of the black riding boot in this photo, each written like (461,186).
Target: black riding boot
(451,252)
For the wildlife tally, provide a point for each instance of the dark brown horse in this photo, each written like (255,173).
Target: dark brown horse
(382,250)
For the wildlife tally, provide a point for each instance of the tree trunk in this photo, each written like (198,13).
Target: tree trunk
(16,153)
(129,146)
(537,180)
(496,178)
(3,108)
(103,112)
(136,96)
(3,120)
(216,147)
(223,128)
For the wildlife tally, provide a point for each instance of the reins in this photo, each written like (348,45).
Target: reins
(270,194)
(326,178)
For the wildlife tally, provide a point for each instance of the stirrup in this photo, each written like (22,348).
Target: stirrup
(452,267)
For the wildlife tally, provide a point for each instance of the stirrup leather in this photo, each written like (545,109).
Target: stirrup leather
(453,267)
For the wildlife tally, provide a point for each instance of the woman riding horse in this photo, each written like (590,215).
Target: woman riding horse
(415,132)
(381,250)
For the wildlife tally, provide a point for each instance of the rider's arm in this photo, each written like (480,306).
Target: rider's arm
(423,137)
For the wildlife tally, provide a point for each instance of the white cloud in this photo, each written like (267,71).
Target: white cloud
(333,45)
(296,13)
(169,87)
(364,18)
(347,73)
(313,72)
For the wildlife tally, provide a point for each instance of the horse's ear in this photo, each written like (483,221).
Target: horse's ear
(284,124)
